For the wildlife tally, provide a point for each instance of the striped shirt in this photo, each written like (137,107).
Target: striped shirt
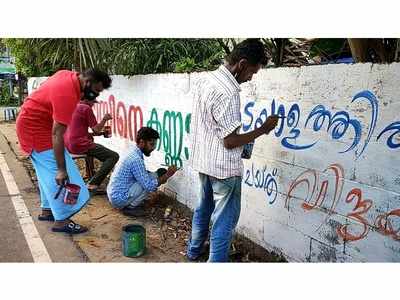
(130,169)
(215,115)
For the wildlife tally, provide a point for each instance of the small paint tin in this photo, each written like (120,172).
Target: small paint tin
(247,150)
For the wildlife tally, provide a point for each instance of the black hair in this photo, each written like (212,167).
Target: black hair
(251,49)
(96,75)
(147,134)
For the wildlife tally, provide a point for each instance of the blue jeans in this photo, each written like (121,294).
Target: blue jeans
(220,204)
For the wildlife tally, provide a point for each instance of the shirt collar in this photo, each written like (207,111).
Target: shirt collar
(138,151)
(228,75)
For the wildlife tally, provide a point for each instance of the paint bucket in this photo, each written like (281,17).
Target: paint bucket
(107,131)
(71,193)
(133,240)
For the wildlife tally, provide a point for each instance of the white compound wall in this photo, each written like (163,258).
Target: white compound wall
(325,186)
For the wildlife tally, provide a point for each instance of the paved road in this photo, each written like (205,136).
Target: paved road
(14,247)
(23,245)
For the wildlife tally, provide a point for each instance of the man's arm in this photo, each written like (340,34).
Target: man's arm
(226,113)
(148,182)
(58,147)
(234,140)
(170,172)
(96,134)
(97,129)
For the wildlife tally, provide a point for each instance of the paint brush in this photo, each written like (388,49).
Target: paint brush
(59,191)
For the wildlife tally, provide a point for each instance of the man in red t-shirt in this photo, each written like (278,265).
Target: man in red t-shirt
(41,125)
(79,141)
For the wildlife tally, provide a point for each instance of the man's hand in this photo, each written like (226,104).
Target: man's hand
(270,123)
(61,177)
(58,146)
(107,117)
(171,171)
(234,140)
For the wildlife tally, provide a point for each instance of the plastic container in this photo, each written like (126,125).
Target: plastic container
(69,193)
(133,240)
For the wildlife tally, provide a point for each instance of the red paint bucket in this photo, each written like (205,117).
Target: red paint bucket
(71,193)
(107,131)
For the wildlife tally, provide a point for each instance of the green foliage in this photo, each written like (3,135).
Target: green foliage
(330,48)
(42,57)
(2,46)
(188,64)
(5,96)
(185,65)
(27,58)
(146,56)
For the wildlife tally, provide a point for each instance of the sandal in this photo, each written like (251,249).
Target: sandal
(97,191)
(71,227)
(49,218)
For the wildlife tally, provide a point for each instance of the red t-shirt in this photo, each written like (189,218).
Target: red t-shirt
(77,138)
(54,100)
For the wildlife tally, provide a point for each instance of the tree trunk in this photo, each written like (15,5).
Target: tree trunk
(357,47)
(278,54)
(372,50)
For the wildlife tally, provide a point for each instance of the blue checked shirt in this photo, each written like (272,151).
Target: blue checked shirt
(129,171)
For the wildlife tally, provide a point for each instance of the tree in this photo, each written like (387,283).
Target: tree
(2,47)
(42,57)
(375,50)
(146,56)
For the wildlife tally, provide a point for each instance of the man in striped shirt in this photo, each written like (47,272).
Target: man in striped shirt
(217,147)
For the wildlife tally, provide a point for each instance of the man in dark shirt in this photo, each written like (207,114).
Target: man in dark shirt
(79,141)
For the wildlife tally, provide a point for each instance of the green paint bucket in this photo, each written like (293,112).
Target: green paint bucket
(133,240)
